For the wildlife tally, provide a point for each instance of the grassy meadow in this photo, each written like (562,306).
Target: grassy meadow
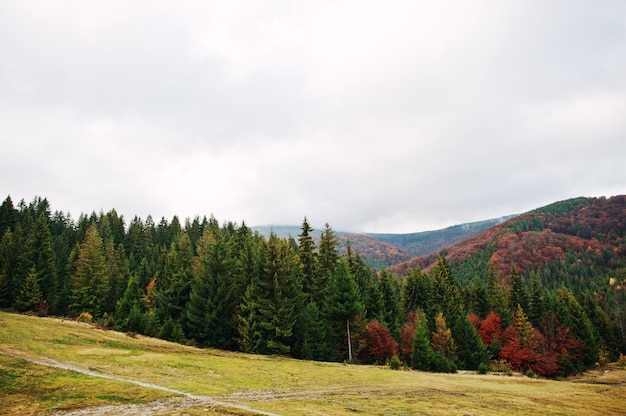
(183,380)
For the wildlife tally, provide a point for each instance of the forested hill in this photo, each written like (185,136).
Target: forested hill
(426,242)
(575,242)
(541,293)
(383,250)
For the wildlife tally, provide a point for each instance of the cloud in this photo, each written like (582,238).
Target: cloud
(392,117)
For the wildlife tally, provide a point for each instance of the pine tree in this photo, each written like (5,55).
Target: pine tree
(342,302)
(581,325)
(174,283)
(211,297)
(91,281)
(30,295)
(537,303)
(129,300)
(390,289)
(497,298)
(42,257)
(416,289)
(8,215)
(422,353)
(310,335)
(308,257)
(268,312)
(442,340)
(518,294)
(327,261)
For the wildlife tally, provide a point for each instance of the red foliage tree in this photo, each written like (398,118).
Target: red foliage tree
(522,343)
(406,337)
(377,344)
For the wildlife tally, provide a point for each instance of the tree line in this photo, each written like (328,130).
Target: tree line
(225,286)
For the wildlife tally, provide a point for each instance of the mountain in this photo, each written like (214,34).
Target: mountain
(384,250)
(580,242)
(426,242)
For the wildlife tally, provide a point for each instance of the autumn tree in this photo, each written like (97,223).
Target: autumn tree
(376,345)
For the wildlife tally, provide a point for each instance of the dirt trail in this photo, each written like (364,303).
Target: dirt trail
(187,400)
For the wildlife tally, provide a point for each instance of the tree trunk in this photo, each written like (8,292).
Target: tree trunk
(349,342)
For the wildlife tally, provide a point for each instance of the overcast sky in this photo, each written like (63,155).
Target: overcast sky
(377,116)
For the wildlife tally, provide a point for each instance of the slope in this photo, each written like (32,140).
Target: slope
(576,242)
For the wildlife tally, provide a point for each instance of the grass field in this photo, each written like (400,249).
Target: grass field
(149,376)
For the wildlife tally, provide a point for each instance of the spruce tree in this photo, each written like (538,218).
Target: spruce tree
(310,334)
(518,294)
(174,283)
(308,257)
(130,299)
(30,295)
(42,257)
(8,215)
(268,313)
(422,353)
(211,298)
(90,281)
(342,303)
(327,261)
(416,288)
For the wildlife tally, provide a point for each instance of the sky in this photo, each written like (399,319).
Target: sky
(371,116)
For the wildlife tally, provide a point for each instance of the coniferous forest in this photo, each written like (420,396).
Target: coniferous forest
(224,286)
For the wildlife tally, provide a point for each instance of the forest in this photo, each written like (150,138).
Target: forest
(224,286)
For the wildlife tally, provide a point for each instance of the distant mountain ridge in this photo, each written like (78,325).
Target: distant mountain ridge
(384,250)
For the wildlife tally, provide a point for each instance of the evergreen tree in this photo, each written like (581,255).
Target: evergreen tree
(130,299)
(174,283)
(497,298)
(416,288)
(327,262)
(42,257)
(422,353)
(91,282)
(536,306)
(442,340)
(268,313)
(342,302)
(580,324)
(310,335)
(14,264)
(308,257)
(211,297)
(389,287)
(8,215)
(518,294)
(30,295)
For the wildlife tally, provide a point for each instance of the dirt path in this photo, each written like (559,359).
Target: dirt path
(187,400)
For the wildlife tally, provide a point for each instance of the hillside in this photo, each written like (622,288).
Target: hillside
(380,250)
(575,242)
(62,367)
(421,243)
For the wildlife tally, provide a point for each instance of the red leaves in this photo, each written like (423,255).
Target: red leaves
(406,337)
(377,344)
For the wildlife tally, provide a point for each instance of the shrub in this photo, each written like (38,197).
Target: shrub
(483,368)
(394,363)
(84,317)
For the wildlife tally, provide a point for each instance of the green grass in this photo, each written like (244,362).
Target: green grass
(273,384)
